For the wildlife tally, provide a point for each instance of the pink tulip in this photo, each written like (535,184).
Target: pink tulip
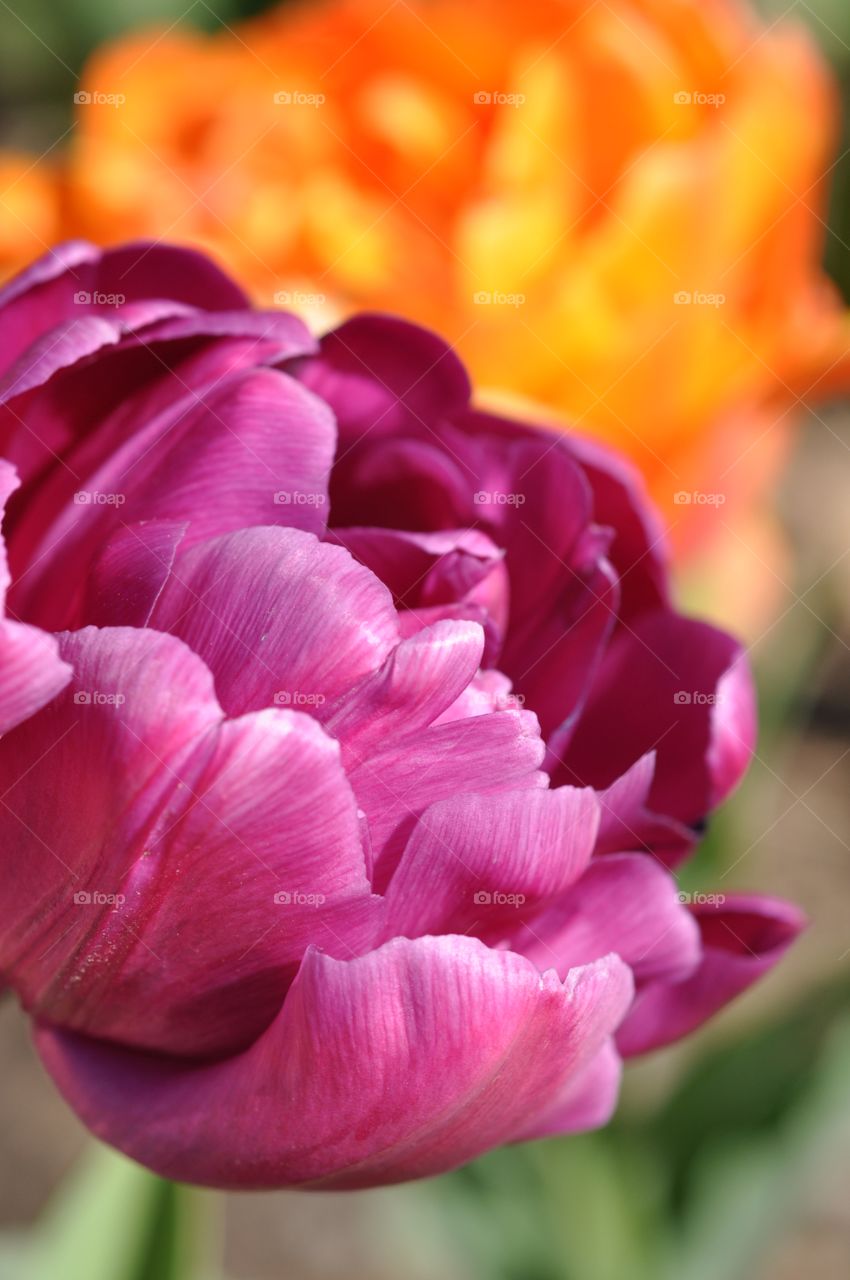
(349,739)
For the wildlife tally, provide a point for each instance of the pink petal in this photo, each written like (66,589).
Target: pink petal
(421,678)
(31,671)
(587,1102)
(400,1064)
(55,287)
(434,573)
(254,450)
(623,901)
(181,830)
(485,754)
(128,576)
(279,617)
(742,939)
(479,864)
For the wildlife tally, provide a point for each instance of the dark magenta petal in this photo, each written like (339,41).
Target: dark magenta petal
(382,375)
(679,688)
(742,939)
(77,279)
(31,670)
(215,462)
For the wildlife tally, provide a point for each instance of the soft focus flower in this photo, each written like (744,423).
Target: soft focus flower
(357,738)
(613,210)
(30,210)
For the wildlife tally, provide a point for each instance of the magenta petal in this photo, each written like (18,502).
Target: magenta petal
(422,677)
(588,1101)
(31,671)
(84,781)
(452,573)
(742,939)
(256,857)
(676,687)
(380,374)
(253,450)
(64,345)
(621,503)
(189,863)
(479,864)
(486,754)
(400,1064)
(625,900)
(128,576)
(69,280)
(275,334)
(629,823)
(279,617)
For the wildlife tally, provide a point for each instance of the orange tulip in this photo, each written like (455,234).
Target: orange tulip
(614,210)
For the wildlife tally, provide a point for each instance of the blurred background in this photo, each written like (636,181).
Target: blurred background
(730,1155)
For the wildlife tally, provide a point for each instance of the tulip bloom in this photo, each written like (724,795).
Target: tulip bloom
(351,740)
(614,211)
